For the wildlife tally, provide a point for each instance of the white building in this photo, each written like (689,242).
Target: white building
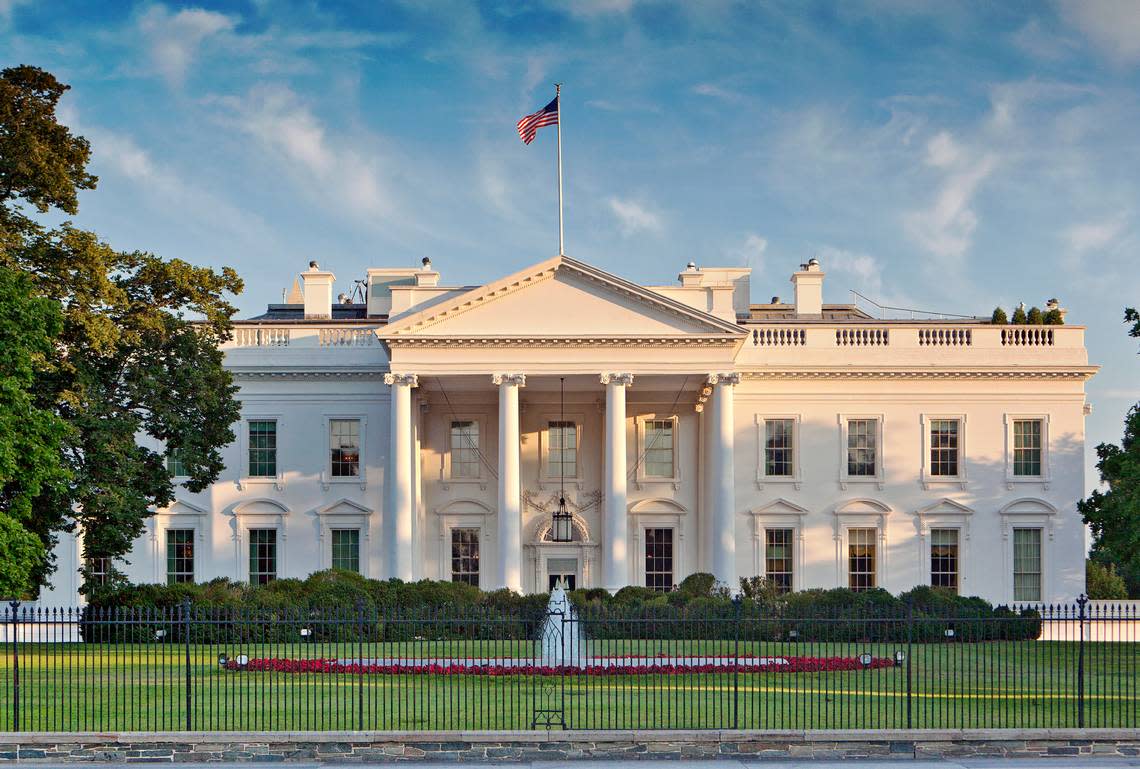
(421,435)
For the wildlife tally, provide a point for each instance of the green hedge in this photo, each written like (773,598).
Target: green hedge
(337,605)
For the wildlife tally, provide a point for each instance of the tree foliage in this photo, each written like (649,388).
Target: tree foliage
(1114,515)
(1102,583)
(1019,317)
(136,370)
(999,317)
(1034,317)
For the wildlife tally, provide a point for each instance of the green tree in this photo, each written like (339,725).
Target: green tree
(137,369)
(1019,317)
(30,434)
(1114,515)
(1034,317)
(1054,318)
(1102,583)
(999,317)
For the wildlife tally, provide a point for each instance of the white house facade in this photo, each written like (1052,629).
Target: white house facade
(427,433)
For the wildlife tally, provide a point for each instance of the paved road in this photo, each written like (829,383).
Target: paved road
(1065,762)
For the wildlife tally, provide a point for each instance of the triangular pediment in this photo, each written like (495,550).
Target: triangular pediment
(344,507)
(945,507)
(179,507)
(559,298)
(780,506)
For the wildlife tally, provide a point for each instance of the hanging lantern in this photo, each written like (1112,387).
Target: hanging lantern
(562,527)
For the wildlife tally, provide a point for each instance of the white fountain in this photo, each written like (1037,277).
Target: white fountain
(561,640)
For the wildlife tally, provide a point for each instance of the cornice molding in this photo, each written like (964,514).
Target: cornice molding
(691,340)
(1078,374)
(286,375)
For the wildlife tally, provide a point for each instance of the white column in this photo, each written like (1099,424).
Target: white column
(615,531)
(510,511)
(398,517)
(722,478)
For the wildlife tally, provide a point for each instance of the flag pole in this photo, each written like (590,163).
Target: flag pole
(558,98)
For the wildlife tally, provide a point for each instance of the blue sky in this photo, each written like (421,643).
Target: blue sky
(947,156)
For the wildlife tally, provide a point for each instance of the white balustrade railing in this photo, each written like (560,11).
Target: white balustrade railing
(347,337)
(1027,336)
(779,337)
(945,337)
(260,336)
(862,337)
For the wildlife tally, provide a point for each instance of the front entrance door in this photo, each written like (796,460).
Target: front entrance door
(562,568)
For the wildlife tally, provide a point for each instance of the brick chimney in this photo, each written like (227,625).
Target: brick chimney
(808,283)
(318,291)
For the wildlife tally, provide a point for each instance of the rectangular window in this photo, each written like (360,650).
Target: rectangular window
(99,567)
(179,556)
(659,559)
(861,560)
(562,454)
(262,448)
(778,558)
(262,556)
(779,457)
(174,464)
(465,556)
(944,558)
(346,549)
(944,434)
(1027,447)
(659,448)
(465,449)
(1027,564)
(862,447)
(344,447)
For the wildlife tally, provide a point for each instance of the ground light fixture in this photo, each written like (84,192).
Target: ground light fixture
(949,633)
(159,634)
(223,660)
(562,525)
(306,632)
(865,659)
(241,661)
(900,658)
(793,634)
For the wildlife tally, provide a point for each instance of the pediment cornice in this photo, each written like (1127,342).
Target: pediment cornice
(418,324)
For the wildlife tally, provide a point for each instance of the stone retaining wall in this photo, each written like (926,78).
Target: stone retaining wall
(558,745)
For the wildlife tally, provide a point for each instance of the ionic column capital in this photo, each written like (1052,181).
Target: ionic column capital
(411,380)
(724,378)
(508,379)
(625,380)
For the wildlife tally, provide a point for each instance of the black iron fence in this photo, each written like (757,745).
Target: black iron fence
(713,667)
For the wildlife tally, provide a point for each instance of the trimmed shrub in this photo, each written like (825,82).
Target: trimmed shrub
(1103,583)
(1018,318)
(1034,317)
(1054,318)
(999,317)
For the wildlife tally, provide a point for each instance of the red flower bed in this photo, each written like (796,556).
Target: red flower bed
(794,665)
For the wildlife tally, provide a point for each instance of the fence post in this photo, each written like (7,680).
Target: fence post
(360,665)
(736,666)
(15,607)
(186,648)
(909,655)
(1082,603)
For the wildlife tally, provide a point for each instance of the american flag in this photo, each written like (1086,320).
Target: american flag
(530,124)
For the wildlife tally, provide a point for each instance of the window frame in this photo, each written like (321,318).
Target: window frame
(276,554)
(642,476)
(478,534)
(958,550)
(762,477)
(548,474)
(171,456)
(644,556)
(876,571)
(193,553)
(1012,480)
(878,478)
(333,531)
(245,479)
(446,479)
(792,558)
(327,478)
(1040,530)
(929,479)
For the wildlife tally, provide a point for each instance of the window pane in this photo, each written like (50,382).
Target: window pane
(465,449)
(562,454)
(263,448)
(100,569)
(659,559)
(346,549)
(778,453)
(179,555)
(778,558)
(344,447)
(262,556)
(1027,564)
(944,447)
(861,559)
(944,558)
(1027,447)
(174,464)
(659,448)
(862,449)
(465,556)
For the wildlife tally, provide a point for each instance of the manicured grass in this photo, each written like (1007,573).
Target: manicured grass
(143,687)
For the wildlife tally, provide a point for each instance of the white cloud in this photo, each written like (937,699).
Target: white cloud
(634,217)
(945,228)
(591,8)
(862,271)
(751,252)
(1042,44)
(1094,236)
(173,40)
(6,8)
(1113,26)
(716,92)
(333,169)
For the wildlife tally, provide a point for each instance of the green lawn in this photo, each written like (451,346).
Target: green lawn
(143,687)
